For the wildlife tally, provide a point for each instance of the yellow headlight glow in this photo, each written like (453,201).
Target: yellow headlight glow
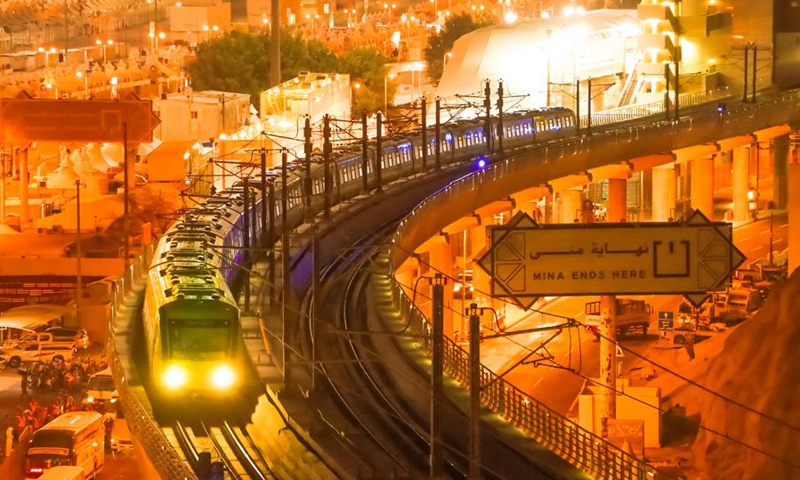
(174,377)
(222,377)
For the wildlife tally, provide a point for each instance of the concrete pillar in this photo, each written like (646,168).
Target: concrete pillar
(780,175)
(568,205)
(765,166)
(793,206)
(23,188)
(741,183)
(664,193)
(702,185)
(646,195)
(549,215)
(617,200)
(441,259)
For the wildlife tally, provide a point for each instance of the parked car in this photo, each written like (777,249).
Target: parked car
(35,352)
(65,334)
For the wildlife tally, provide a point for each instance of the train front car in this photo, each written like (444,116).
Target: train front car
(191,320)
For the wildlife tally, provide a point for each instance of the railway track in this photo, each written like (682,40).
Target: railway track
(366,414)
(202,444)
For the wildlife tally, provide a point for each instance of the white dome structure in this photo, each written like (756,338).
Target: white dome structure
(598,43)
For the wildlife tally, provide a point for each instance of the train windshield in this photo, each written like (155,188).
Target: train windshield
(198,340)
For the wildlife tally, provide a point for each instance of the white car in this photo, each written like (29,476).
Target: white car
(35,352)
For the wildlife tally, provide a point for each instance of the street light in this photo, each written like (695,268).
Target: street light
(386,93)
(85,76)
(104,44)
(47,55)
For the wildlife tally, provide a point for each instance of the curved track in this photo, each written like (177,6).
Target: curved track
(367,414)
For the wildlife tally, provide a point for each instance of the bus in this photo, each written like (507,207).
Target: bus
(74,438)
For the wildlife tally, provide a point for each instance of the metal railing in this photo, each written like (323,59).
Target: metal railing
(631,112)
(158,448)
(570,441)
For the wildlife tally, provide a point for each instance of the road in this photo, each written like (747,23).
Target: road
(573,348)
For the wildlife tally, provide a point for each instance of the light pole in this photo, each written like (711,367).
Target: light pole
(386,93)
(85,76)
(47,53)
(78,253)
(104,45)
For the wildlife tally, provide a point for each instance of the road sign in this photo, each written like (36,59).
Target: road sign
(691,258)
(666,320)
(24,120)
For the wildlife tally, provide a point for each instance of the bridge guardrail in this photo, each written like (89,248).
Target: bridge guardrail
(158,448)
(622,114)
(578,446)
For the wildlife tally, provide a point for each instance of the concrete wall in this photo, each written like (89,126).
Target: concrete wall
(283,451)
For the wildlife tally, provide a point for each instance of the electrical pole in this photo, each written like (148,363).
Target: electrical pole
(487,122)
(126,198)
(263,189)
(677,88)
(246,245)
(327,148)
(746,72)
(307,149)
(578,105)
(275,44)
(755,68)
(437,382)
(316,298)
(364,153)
(271,241)
(589,106)
(474,392)
(78,252)
(437,150)
(378,151)
(285,253)
(500,132)
(666,90)
(424,134)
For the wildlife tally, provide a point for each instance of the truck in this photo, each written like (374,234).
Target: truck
(630,316)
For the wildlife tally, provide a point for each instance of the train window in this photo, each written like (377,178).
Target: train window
(198,339)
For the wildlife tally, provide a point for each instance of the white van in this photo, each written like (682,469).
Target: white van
(121,436)
(100,388)
(64,472)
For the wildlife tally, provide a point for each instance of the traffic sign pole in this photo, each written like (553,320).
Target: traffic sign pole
(608,362)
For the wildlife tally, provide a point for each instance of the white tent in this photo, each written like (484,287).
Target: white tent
(596,44)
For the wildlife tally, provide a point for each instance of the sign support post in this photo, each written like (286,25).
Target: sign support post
(608,362)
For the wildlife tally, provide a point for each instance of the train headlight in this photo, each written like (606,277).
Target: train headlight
(175,377)
(222,377)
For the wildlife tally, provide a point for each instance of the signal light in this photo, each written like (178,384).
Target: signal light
(482,161)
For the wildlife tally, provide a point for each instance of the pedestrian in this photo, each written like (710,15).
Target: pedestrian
(108,423)
(24,385)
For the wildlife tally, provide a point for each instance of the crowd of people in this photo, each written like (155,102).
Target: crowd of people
(49,389)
